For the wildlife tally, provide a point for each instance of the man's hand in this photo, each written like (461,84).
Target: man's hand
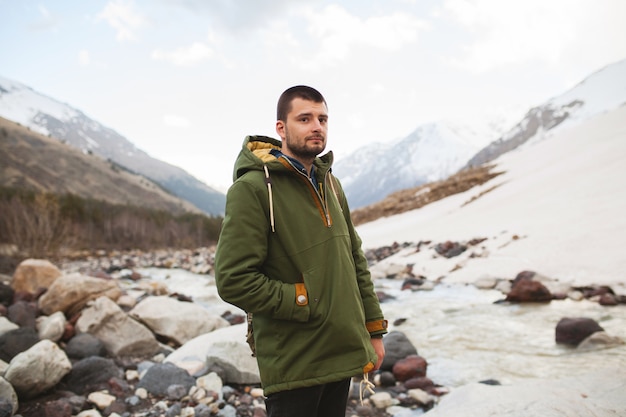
(379,347)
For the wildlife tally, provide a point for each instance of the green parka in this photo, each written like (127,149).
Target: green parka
(290,255)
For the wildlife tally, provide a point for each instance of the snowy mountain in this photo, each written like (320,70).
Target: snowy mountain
(599,93)
(50,117)
(432,152)
(435,151)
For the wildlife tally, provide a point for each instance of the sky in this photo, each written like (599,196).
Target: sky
(187,80)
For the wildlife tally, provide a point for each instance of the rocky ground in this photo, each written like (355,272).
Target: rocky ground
(91,337)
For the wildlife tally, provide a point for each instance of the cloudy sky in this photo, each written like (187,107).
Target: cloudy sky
(187,80)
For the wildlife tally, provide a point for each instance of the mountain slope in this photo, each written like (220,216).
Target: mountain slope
(435,151)
(602,91)
(558,209)
(29,160)
(52,118)
(430,153)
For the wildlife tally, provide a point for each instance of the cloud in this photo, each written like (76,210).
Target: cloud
(122,17)
(337,32)
(510,33)
(185,56)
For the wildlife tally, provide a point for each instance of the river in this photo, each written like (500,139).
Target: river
(462,333)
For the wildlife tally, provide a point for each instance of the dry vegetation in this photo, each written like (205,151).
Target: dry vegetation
(31,161)
(413,198)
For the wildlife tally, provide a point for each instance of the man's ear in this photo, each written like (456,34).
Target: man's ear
(280,129)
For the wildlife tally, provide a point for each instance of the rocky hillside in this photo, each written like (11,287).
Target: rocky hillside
(50,117)
(29,160)
(416,197)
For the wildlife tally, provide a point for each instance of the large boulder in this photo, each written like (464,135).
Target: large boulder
(121,334)
(159,377)
(528,291)
(397,347)
(175,320)
(70,293)
(91,374)
(413,366)
(573,330)
(38,369)
(32,275)
(225,348)
(16,341)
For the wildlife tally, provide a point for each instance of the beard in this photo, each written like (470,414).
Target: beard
(304,151)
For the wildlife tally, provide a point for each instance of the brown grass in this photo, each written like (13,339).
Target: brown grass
(414,198)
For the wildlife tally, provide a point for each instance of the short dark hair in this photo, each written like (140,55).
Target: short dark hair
(299,91)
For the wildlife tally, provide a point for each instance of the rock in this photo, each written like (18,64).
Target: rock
(485,283)
(70,293)
(51,327)
(160,376)
(226,348)
(572,331)
(420,396)
(524,291)
(7,394)
(89,413)
(422,383)
(608,299)
(85,345)
(23,313)
(121,335)
(91,374)
(413,366)
(38,369)
(33,274)
(176,320)
(397,347)
(210,382)
(16,341)
(101,399)
(382,400)
(58,408)
(450,249)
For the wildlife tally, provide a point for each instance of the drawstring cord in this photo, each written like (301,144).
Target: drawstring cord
(332,186)
(271,198)
(365,385)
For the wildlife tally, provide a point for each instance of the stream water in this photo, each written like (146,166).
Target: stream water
(462,333)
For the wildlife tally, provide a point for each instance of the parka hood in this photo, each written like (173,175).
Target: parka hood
(255,154)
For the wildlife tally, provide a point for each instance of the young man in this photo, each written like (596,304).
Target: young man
(289,254)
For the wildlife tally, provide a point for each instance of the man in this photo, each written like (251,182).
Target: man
(288,253)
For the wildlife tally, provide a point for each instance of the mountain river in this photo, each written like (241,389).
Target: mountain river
(462,333)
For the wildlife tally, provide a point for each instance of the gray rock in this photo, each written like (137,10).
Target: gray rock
(91,374)
(159,377)
(397,347)
(121,335)
(38,369)
(224,348)
(176,320)
(84,345)
(17,341)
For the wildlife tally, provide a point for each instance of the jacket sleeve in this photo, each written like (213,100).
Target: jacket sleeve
(241,252)
(374,319)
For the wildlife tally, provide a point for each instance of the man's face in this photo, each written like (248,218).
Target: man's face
(304,132)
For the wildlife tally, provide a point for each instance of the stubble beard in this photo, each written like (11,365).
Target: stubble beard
(303,152)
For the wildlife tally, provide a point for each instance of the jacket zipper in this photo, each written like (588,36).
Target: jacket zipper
(321,200)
